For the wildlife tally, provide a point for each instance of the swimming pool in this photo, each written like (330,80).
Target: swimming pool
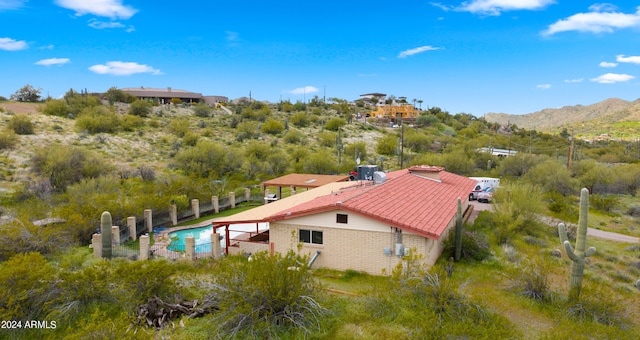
(202,236)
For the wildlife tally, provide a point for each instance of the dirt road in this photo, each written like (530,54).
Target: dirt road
(605,235)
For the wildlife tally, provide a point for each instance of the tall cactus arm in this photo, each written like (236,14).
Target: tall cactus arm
(569,250)
(562,231)
(590,251)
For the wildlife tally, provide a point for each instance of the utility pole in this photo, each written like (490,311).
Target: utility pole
(570,152)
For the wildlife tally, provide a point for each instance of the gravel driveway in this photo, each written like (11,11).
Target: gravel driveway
(605,235)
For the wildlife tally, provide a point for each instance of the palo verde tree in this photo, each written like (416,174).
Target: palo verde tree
(577,254)
(27,94)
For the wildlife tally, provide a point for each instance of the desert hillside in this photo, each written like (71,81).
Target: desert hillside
(591,119)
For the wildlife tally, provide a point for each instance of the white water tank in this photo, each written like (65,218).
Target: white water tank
(379,177)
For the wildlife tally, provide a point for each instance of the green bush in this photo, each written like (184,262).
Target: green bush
(272,127)
(294,137)
(98,120)
(56,107)
(8,139)
(63,165)
(266,298)
(131,123)
(387,145)
(26,287)
(179,127)
(299,119)
(202,110)
(606,203)
(335,123)
(21,124)
(531,279)
(327,138)
(140,108)
(475,246)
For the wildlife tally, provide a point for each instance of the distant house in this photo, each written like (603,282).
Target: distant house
(367,226)
(370,98)
(165,95)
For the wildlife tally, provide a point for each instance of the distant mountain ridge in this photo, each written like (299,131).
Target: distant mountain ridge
(604,113)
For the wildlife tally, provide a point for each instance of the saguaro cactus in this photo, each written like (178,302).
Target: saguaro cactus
(578,254)
(105,229)
(458,252)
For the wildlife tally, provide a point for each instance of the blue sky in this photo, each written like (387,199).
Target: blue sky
(474,56)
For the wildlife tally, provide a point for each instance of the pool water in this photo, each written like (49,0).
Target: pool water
(202,236)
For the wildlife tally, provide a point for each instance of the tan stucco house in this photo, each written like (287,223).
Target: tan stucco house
(365,226)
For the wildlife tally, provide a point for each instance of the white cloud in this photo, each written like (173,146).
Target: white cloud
(495,7)
(417,50)
(231,36)
(544,86)
(53,61)
(304,90)
(611,78)
(608,64)
(633,59)
(11,4)
(600,19)
(103,8)
(441,6)
(578,80)
(103,25)
(130,29)
(121,68)
(9,44)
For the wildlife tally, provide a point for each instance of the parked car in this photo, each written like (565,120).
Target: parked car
(486,195)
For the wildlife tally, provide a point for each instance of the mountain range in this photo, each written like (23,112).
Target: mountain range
(613,116)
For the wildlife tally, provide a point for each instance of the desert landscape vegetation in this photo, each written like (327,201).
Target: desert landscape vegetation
(73,158)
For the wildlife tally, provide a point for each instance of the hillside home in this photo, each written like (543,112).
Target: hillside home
(165,95)
(367,226)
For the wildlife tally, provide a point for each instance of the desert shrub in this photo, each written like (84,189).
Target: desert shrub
(8,139)
(21,124)
(475,246)
(26,287)
(205,159)
(190,138)
(131,123)
(64,165)
(335,123)
(56,107)
(327,138)
(320,162)
(179,127)
(266,298)
(299,119)
(531,278)
(202,110)
(356,150)
(140,108)
(246,130)
(606,203)
(98,120)
(387,145)
(272,127)
(294,137)
(426,120)
(416,141)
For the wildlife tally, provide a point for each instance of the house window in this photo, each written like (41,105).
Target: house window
(310,236)
(341,218)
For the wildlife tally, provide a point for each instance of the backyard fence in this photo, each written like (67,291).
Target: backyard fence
(134,226)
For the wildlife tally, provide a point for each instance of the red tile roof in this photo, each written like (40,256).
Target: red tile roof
(406,200)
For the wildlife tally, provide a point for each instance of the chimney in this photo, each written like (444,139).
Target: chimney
(427,171)
(168,89)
